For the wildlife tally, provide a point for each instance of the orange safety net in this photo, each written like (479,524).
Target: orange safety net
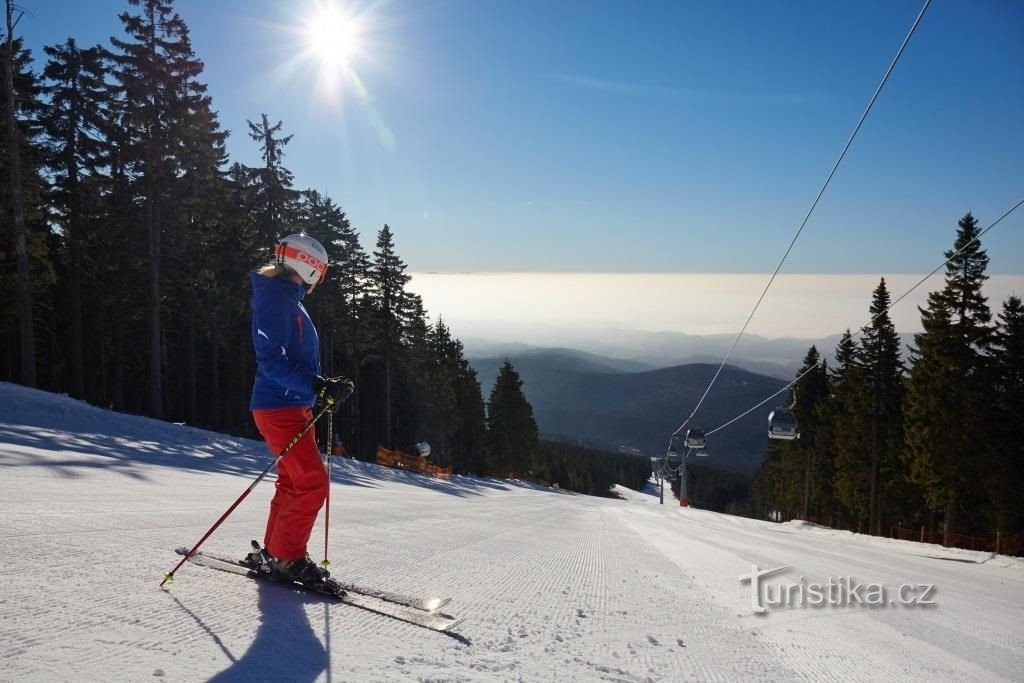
(404,461)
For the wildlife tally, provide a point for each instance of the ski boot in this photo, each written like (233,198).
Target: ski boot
(259,559)
(305,571)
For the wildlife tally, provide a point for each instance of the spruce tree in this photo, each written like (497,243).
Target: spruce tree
(881,402)
(155,72)
(74,121)
(19,84)
(1006,474)
(274,198)
(512,438)
(810,392)
(947,402)
(469,452)
(850,431)
(387,280)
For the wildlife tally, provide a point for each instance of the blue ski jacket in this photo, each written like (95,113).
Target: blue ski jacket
(286,344)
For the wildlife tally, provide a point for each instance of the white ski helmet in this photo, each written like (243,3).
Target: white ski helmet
(304,255)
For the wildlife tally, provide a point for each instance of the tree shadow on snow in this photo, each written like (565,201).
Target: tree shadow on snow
(71,437)
(285,647)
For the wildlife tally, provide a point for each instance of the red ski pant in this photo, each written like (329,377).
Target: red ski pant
(301,486)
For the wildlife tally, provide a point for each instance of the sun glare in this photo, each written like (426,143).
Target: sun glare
(333,37)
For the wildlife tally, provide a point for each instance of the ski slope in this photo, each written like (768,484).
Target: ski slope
(553,585)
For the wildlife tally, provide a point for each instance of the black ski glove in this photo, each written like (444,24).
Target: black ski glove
(333,390)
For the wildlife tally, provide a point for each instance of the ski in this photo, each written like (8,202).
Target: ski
(435,621)
(425,604)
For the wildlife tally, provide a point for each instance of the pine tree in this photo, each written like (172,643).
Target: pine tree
(776,489)
(849,431)
(74,120)
(14,89)
(387,280)
(810,391)
(155,71)
(1006,475)
(512,439)
(469,450)
(274,198)
(946,403)
(882,372)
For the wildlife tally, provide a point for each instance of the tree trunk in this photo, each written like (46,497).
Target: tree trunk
(27,331)
(873,491)
(947,529)
(191,389)
(213,409)
(117,390)
(77,353)
(807,485)
(155,374)
(387,383)
(75,240)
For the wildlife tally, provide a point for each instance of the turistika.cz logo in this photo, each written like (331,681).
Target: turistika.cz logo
(841,591)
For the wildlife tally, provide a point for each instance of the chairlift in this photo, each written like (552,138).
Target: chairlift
(695,438)
(702,453)
(782,425)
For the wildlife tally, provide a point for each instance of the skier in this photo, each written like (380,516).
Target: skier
(288,383)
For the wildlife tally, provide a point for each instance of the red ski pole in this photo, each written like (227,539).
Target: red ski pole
(291,444)
(327,503)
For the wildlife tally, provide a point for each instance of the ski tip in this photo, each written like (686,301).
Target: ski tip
(434,604)
(449,627)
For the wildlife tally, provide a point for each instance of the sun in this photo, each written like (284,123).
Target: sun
(332,36)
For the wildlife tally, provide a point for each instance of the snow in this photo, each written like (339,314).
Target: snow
(553,585)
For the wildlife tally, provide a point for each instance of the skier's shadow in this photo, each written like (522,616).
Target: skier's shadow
(285,647)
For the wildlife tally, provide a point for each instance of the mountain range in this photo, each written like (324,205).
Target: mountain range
(637,350)
(612,403)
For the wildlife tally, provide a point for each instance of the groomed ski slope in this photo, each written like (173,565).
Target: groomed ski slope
(554,586)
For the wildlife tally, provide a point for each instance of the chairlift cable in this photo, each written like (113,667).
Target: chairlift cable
(875,318)
(810,211)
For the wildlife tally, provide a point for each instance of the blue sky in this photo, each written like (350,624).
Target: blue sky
(633,136)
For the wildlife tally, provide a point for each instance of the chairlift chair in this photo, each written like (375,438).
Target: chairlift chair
(782,425)
(695,438)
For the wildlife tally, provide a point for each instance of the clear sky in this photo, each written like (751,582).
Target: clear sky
(644,137)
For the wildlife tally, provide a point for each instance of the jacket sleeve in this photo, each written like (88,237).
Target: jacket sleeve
(273,328)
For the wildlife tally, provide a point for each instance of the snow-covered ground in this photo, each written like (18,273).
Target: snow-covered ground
(553,585)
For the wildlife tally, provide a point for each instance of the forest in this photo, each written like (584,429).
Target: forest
(127,241)
(930,439)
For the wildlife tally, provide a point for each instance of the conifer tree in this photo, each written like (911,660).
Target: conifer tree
(810,392)
(882,373)
(849,431)
(155,71)
(469,450)
(1006,475)
(274,198)
(947,397)
(74,121)
(512,439)
(387,280)
(18,84)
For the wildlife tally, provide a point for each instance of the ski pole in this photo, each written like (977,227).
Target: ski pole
(327,503)
(291,444)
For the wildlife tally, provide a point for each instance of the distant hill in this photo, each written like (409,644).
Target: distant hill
(591,400)
(779,358)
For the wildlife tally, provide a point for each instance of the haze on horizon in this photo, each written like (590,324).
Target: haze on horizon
(563,309)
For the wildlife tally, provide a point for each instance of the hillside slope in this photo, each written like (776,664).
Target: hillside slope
(606,408)
(553,585)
